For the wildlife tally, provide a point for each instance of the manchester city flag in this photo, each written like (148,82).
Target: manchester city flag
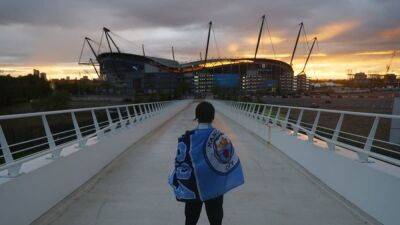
(206,166)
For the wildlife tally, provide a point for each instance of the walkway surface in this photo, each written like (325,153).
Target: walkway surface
(133,189)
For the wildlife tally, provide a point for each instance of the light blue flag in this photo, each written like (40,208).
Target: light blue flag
(216,166)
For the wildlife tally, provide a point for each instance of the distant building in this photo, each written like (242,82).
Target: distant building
(360,76)
(360,79)
(301,83)
(43,76)
(85,78)
(390,79)
(36,73)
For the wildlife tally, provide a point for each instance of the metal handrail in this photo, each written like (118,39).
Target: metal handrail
(126,115)
(23,115)
(257,111)
(389,116)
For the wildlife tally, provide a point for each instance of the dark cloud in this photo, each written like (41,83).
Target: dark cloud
(49,31)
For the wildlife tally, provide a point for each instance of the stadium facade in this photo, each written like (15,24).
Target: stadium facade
(136,73)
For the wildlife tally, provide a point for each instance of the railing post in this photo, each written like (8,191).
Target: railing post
(258,111)
(96,123)
(50,140)
(263,113)
(135,114)
(269,114)
(146,115)
(314,128)
(286,118)
(277,116)
(241,106)
(253,112)
(77,130)
(245,108)
(119,117)
(153,109)
(13,171)
(335,136)
(110,122)
(252,109)
(362,157)
(298,123)
(141,112)
(269,133)
(129,115)
(248,111)
(149,110)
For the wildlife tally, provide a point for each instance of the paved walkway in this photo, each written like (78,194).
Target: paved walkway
(133,189)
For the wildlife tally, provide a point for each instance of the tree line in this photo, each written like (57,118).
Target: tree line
(21,89)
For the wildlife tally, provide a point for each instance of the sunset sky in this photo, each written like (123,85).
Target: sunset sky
(353,34)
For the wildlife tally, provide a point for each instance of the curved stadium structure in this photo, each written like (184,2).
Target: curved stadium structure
(133,73)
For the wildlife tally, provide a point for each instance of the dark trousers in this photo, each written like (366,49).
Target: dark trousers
(213,208)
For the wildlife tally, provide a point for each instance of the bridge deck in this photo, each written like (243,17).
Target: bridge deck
(134,190)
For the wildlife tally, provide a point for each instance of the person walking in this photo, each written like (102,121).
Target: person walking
(205,168)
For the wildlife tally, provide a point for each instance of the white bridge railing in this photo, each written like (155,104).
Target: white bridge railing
(79,125)
(308,121)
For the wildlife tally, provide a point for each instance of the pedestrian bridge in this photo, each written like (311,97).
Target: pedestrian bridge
(110,166)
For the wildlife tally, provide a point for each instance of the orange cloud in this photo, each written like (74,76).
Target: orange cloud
(268,56)
(391,33)
(275,40)
(53,71)
(233,47)
(374,53)
(332,30)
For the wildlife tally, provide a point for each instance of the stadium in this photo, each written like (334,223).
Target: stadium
(157,75)
(133,73)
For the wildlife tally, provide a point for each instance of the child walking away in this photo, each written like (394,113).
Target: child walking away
(206,167)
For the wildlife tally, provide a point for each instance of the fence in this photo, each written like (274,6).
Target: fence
(29,136)
(367,134)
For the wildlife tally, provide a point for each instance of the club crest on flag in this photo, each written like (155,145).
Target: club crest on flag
(219,153)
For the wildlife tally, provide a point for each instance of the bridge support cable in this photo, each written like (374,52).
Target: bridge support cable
(216,44)
(80,55)
(259,35)
(89,42)
(173,53)
(270,38)
(101,42)
(390,62)
(95,69)
(306,39)
(295,45)
(110,40)
(309,55)
(208,42)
